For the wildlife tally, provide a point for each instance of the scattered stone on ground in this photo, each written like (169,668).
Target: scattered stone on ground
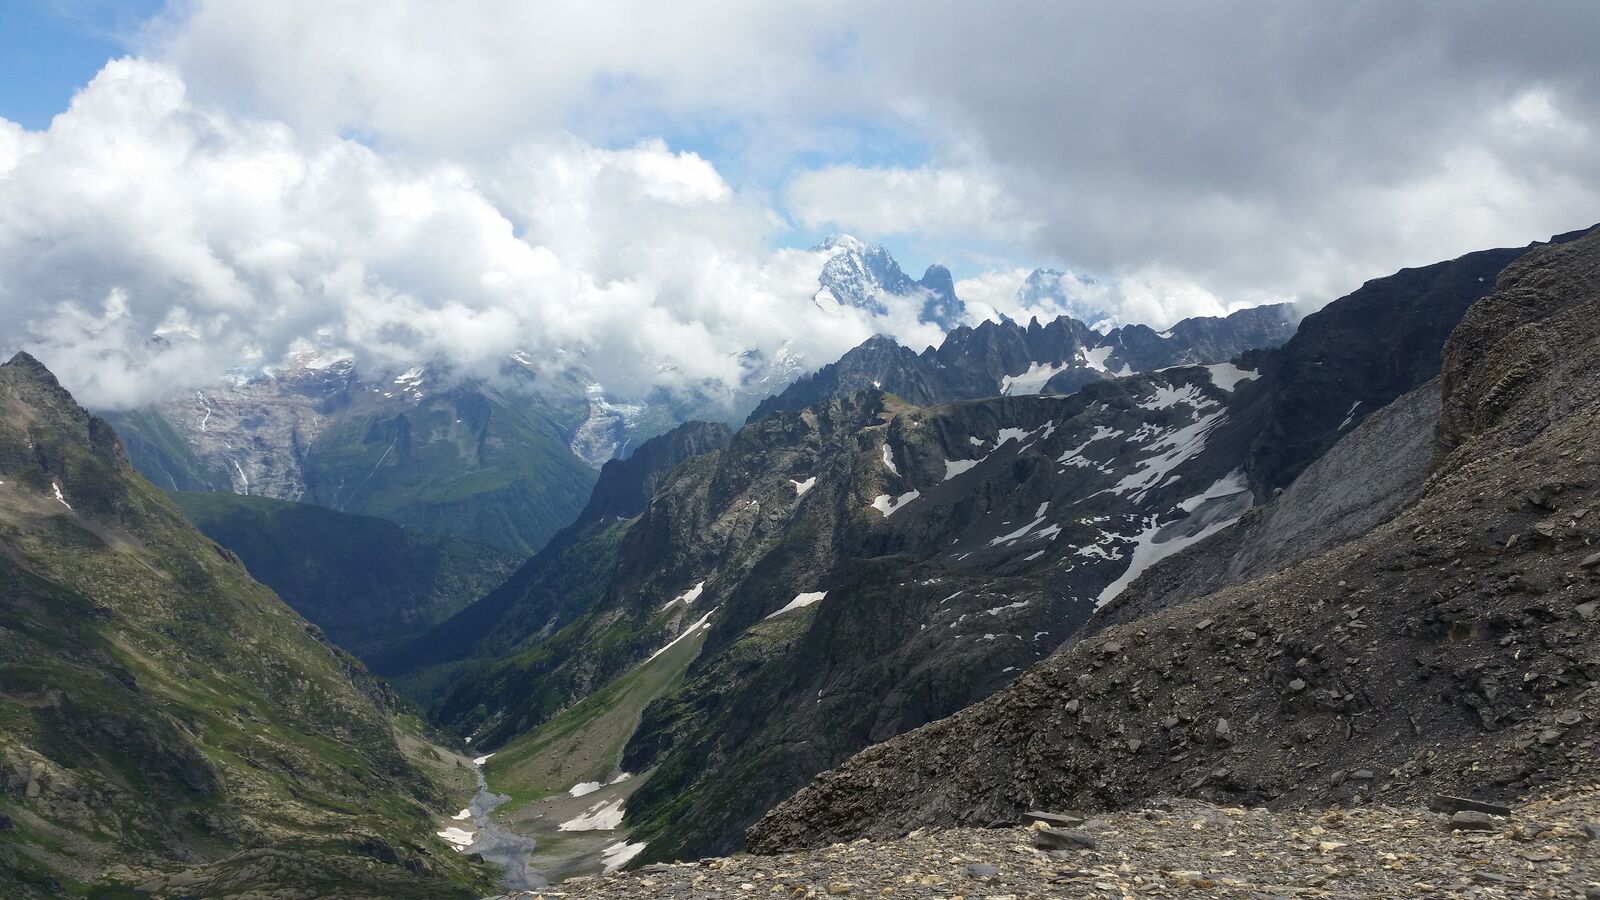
(1173,848)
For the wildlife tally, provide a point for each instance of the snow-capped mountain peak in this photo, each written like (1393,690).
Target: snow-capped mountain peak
(864,276)
(841,243)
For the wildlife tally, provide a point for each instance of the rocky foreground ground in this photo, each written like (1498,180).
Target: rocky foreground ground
(1175,848)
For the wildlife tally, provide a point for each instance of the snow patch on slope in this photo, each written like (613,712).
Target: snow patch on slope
(954,467)
(701,624)
(687,598)
(889,506)
(1227,376)
(801,601)
(603,816)
(619,854)
(1031,381)
(1149,550)
(1171,450)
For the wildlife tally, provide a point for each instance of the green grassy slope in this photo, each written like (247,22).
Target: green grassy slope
(462,462)
(165,721)
(162,455)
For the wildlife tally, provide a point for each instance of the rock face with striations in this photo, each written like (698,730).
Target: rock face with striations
(1448,649)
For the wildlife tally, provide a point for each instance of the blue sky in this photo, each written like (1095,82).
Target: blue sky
(51,48)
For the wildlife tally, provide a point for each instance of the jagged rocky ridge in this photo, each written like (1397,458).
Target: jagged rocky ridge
(166,722)
(1450,648)
(1007,358)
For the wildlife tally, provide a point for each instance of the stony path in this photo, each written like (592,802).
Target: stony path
(1172,849)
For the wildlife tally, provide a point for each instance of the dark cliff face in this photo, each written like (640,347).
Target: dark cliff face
(1307,430)
(1060,356)
(1360,353)
(1449,648)
(626,485)
(160,709)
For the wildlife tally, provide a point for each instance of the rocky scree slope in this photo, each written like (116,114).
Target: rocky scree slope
(1007,358)
(368,583)
(163,718)
(1169,848)
(1451,648)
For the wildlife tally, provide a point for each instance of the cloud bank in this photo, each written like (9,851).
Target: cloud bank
(140,214)
(409,179)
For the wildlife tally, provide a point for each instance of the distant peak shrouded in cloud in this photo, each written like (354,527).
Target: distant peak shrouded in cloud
(151,245)
(408,181)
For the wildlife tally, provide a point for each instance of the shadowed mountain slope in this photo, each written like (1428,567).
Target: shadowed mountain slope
(367,582)
(165,721)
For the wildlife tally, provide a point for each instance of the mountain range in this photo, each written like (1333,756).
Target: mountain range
(1342,559)
(1447,650)
(865,563)
(508,461)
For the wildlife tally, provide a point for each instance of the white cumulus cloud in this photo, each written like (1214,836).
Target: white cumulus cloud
(922,201)
(141,212)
